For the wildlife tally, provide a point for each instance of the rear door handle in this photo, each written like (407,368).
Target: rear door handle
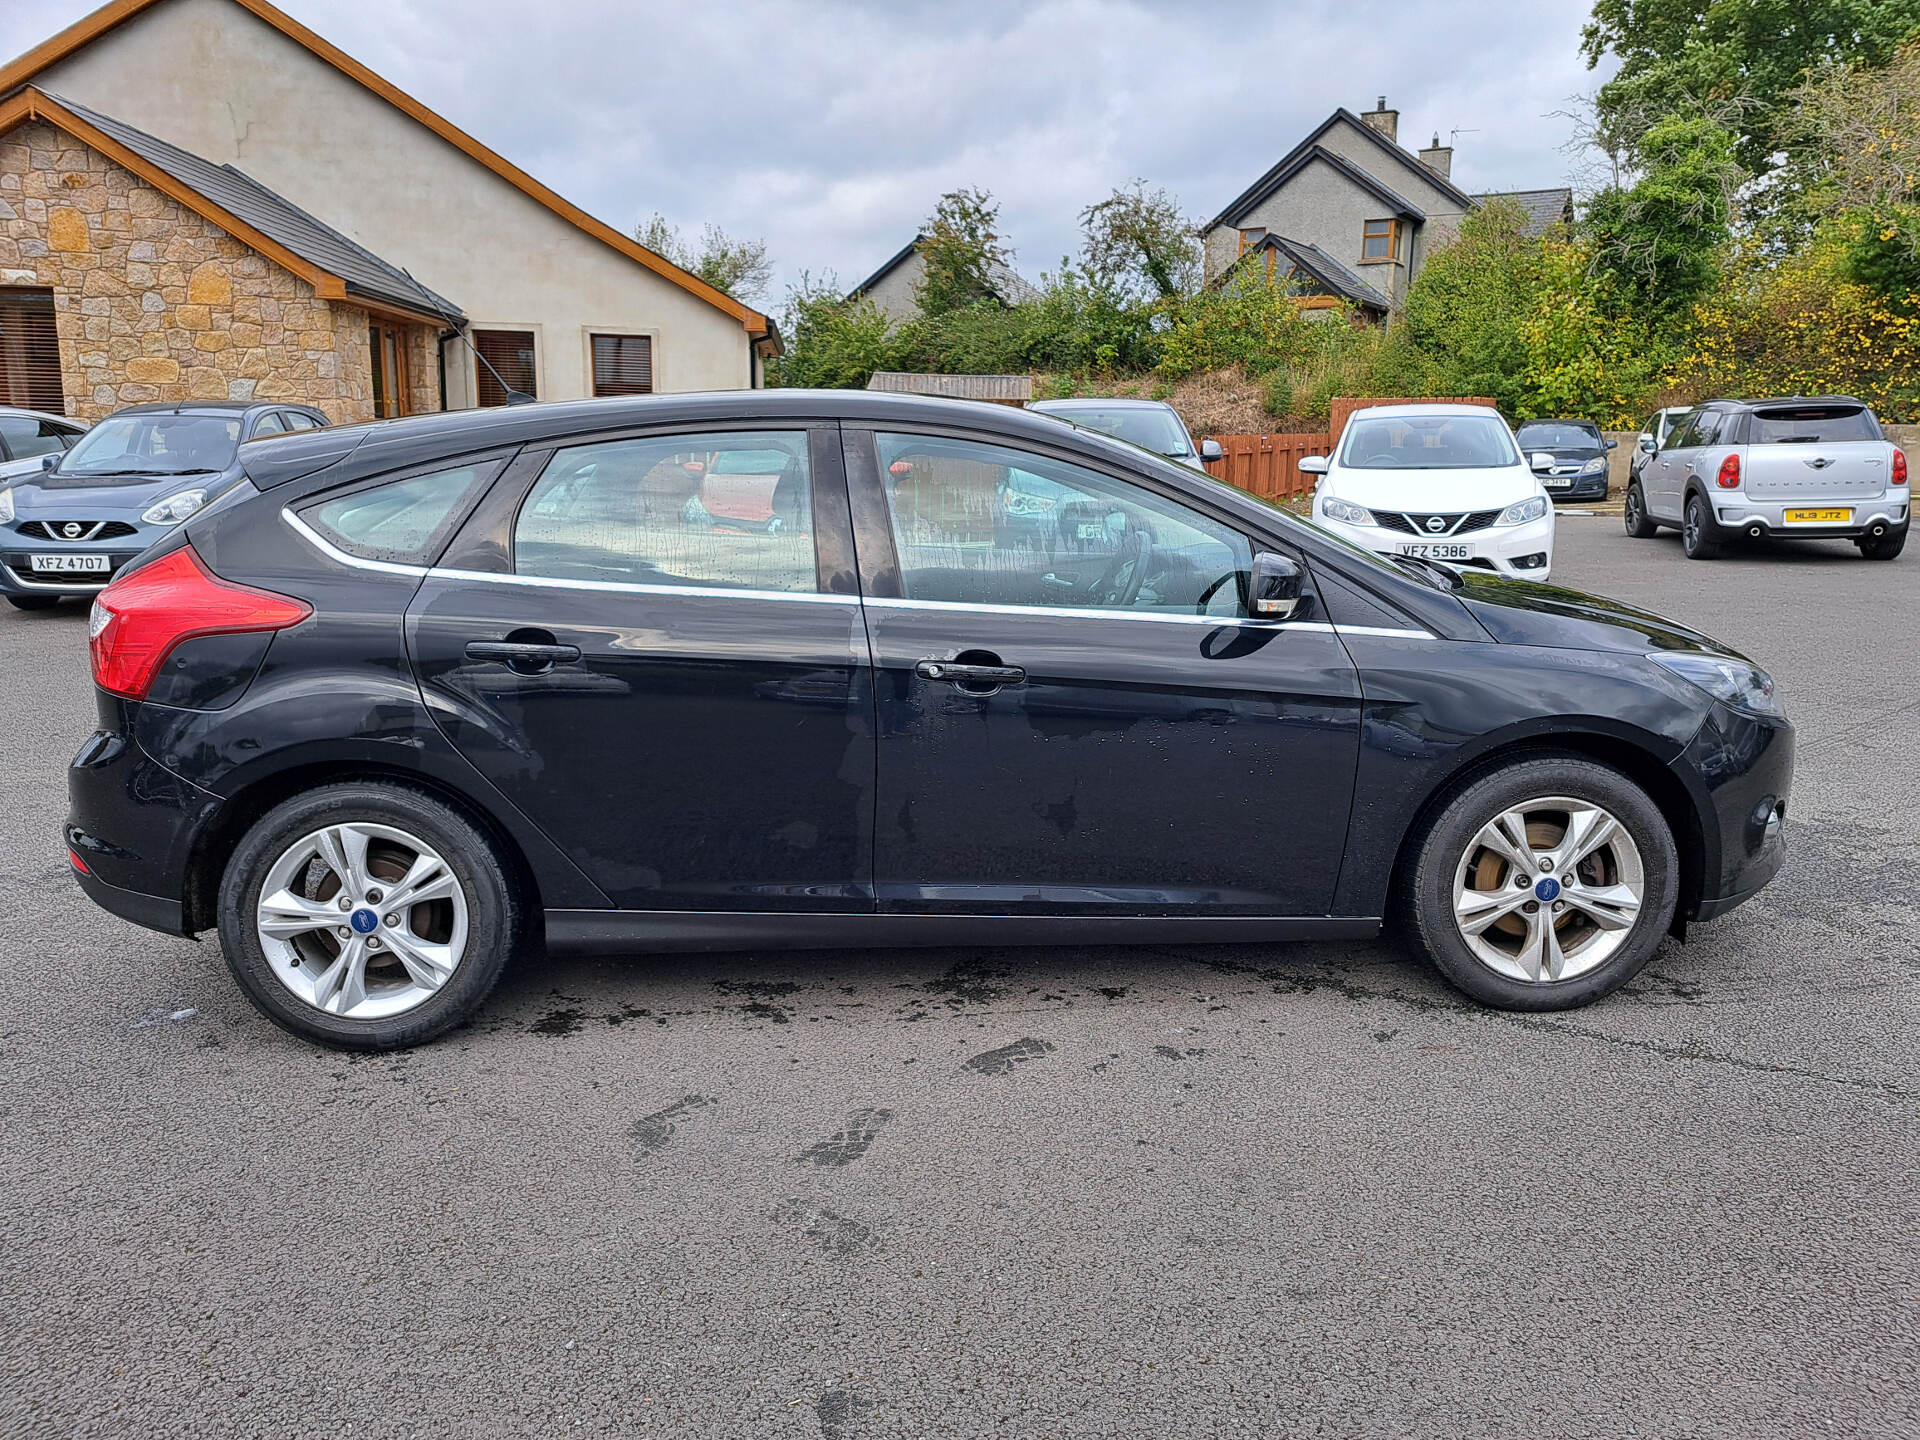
(521,652)
(956,673)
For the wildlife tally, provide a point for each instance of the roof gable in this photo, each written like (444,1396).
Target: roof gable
(117,12)
(1009,285)
(1335,277)
(1290,164)
(335,266)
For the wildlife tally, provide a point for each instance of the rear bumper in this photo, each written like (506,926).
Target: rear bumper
(132,822)
(1737,514)
(154,912)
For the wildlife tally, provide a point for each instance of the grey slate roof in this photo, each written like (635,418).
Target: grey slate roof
(279,219)
(955,387)
(1545,208)
(1296,157)
(1334,275)
(1007,283)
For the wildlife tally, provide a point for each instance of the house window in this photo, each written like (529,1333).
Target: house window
(1379,241)
(29,351)
(1252,237)
(510,354)
(622,364)
(390,379)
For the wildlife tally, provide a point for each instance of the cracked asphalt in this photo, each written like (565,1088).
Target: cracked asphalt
(1252,1191)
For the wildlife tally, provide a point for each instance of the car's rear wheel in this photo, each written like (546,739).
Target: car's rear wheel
(367,916)
(33,602)
(1883,547)
(1635,514)
(1698,533)
(1542,885)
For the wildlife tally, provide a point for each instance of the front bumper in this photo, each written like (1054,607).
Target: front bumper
(18,577)
(1739,768)
(1496,549)
(1736,514)
(1578,487)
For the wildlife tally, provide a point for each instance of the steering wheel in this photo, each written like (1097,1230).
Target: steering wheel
(1110,589)
(1200,605)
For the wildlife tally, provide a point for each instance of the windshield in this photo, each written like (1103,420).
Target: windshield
(1428,442)
(1813,424)
(1149,428)
(1554,435)
(155,443)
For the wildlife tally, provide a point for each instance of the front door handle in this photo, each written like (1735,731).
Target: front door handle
(955,672)
(526,656)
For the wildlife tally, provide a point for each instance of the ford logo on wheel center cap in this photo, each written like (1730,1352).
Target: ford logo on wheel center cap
(1547,889)
(366,922)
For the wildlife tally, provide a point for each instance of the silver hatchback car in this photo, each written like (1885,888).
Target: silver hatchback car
(1807,467)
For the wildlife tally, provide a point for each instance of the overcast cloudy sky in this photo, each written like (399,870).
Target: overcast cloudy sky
(829,128)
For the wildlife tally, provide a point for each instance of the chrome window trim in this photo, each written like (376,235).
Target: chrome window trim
(333,552)
(1210,621)
(623,587)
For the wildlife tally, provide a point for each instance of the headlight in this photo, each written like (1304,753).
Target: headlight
(1340,510)
(175,508)
(1020,504)
(1594,466)
(6,506)
(1743,686)
(1531,508)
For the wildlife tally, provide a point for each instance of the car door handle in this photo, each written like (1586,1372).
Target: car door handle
(956,673)
(521,652)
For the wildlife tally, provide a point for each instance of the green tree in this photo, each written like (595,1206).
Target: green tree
(1466,310)
(832,342)
(1139,246)
(1678,55)
(1661,238)
(962,250)
(739,267)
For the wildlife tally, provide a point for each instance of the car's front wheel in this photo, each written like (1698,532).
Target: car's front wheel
(367,916)
(1542,885)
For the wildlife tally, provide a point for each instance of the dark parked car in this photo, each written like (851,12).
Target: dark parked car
(67,527)
(413,695)
(1577,451)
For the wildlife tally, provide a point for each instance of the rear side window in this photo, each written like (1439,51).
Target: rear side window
(1814,425)
(402,520)
(731,510)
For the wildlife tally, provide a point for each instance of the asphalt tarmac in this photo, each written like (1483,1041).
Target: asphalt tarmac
(1257,1191)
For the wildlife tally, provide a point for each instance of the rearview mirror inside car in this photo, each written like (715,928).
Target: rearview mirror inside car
(1540,460)
(1314,465)
(1210,450)
(1275,590)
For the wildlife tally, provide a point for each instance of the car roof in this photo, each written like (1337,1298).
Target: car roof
(1072,402)
(43,415)
(211,407)
(1559,420)
(1410,411)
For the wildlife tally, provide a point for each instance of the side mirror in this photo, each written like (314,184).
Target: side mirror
(1210,450)
(1274,593)
(1314,465)
(1613,444)
(1540,460)
(49,462)
(1646,445)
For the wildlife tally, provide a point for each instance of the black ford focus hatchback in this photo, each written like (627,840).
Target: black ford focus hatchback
(815,668)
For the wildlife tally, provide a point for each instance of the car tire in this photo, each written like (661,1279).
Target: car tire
(1450,874)
(1885,547)
(33,602)
(385,831)
(1698,535)
(1639,526)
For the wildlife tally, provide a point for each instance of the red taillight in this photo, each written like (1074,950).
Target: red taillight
(1729,476)
(1899,466)
(78,863)
(143,616)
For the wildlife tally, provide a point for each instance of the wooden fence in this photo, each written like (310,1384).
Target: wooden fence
(1345,405)
(1268,465)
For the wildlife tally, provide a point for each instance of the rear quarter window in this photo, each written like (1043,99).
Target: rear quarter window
(405,520)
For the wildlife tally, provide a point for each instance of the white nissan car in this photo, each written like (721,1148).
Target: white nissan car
(1436,482)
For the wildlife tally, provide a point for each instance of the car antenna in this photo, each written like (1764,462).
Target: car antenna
(514,397)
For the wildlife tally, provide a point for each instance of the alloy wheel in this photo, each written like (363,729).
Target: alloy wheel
(1548,890)
(362,921)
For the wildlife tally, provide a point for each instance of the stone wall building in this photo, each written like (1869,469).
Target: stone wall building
(203,199)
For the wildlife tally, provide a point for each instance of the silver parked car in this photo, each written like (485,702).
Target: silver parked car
(1152,424)
(1818,468)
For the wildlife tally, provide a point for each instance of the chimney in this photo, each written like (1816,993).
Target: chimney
(1384,121)
(1438,158)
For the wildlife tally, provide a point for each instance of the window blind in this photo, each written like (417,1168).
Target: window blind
(29,351)
(510,352)
(622,365)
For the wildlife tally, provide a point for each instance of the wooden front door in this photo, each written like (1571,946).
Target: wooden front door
(391,387)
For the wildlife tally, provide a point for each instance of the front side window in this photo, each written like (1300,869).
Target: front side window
(1428,442)
(402,520)
(732,510)
(1379,240)
(270,423)
(155,442)
(983,524)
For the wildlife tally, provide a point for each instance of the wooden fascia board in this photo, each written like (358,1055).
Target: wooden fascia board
(118,12)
